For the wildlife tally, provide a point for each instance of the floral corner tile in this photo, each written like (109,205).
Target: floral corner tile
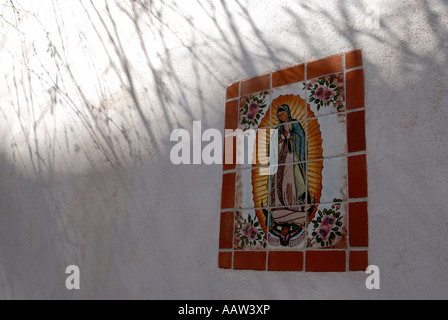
(326,95)
(250,230)
(327,228)
(254,111)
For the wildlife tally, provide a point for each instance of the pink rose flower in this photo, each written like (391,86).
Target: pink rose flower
(253,109)
(250,232)
(329,221)
(324,231)
(319,92)
(327,95)
(253,105)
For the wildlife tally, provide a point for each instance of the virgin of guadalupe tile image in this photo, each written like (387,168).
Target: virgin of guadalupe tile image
(302,180)
(286,196)
(289,200)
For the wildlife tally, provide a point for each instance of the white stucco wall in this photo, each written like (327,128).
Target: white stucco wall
(90,93)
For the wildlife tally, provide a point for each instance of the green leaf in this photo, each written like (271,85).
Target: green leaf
(339,234)
(314,234)
(339,224)
(322,244)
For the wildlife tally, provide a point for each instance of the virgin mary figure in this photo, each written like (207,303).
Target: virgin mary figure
(288,198)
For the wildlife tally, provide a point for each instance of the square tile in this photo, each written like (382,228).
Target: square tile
(327,137)
(353,59)
(327,180)
(254,111)
(288,143)
(251,189)
(288,185)
(287,227)
(327,228)
(288,104)
(225,260)
(359,261)
(326,95)
(250,230)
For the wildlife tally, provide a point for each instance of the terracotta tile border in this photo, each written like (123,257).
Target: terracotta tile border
(359,225)
(353,59)
(285,261)
(355,257)
(359,260)
(247,260)
(290,75)
(326,261)
(324,66)
(355,89)
(233,91)
(356,132)
(256,84)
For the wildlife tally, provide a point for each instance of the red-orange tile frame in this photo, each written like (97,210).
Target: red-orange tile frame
(355,257)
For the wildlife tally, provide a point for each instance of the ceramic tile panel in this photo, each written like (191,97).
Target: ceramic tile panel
(296,198)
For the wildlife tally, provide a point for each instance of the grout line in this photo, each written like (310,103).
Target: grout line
(347,256)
